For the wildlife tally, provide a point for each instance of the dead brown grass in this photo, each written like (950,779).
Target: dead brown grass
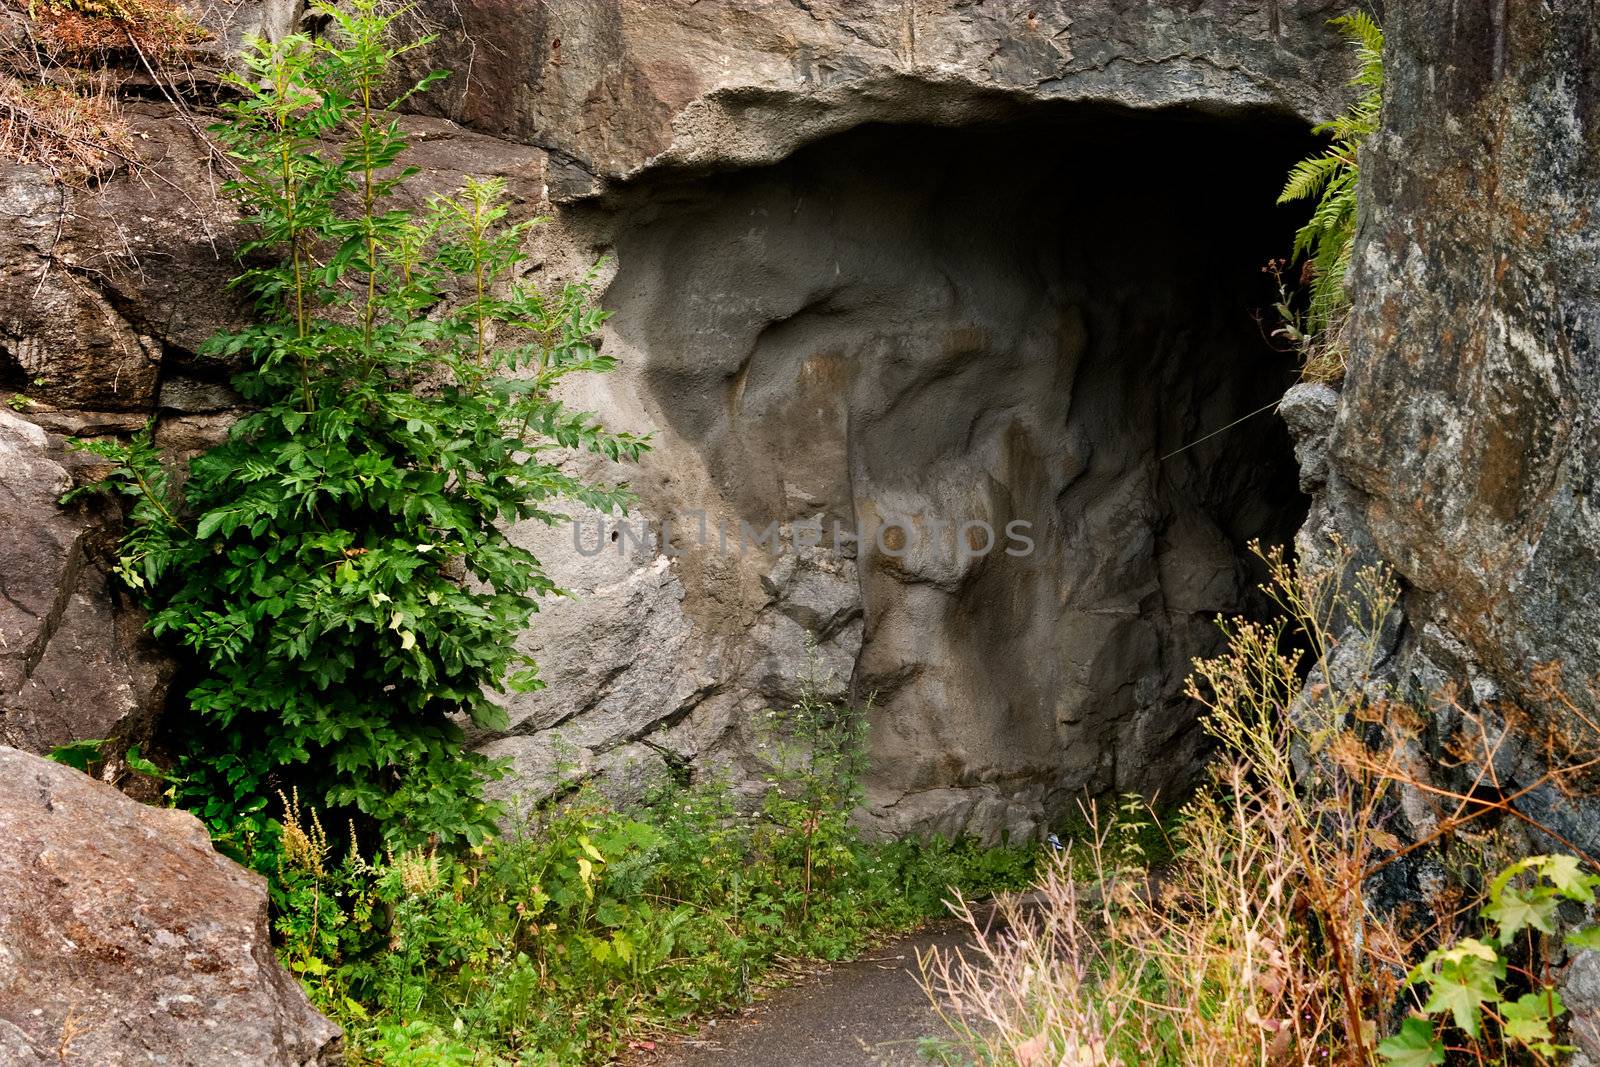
(1322,354)
(60,81)
(85,32)
(80,136)
(1272,939)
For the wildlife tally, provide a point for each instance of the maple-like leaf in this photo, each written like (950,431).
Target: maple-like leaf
(1416,1045)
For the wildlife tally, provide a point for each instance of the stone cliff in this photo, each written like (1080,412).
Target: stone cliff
(953,263)
(1461,451)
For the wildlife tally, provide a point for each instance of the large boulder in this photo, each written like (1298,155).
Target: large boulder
(74,662)
(125,939)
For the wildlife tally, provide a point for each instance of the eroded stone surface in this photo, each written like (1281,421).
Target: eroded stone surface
(843,352)
(857,336)
(73,660)
(852,339)
(616,87)
(126,940)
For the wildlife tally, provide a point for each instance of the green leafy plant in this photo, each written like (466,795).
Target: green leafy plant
(1497,992)
(597,926)
(338,568)
(816,749)
(1331,179)
(84,755)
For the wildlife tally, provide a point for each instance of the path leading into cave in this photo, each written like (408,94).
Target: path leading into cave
(869,1012)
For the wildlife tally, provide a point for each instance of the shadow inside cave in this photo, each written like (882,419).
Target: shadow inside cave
(1040,320)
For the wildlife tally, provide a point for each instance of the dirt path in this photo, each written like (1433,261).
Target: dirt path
(870,1012)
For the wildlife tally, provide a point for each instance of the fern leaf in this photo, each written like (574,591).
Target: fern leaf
(1332,177)
(1363,31)
(1308,178)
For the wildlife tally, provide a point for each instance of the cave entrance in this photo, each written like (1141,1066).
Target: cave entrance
(1037,321)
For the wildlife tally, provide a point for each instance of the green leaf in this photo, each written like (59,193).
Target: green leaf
(1517,909)
(1416,1045)
(137,762)
(208,524)
(1466,978)
(1565,874)
(80,755)
(1529,1018)
(1587,939)
(1331,178)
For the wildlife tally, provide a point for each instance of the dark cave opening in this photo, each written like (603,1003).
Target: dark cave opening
(1044,320)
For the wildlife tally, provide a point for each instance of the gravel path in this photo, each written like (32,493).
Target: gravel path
(870,1012)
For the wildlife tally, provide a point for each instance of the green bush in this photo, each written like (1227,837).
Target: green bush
(338,568)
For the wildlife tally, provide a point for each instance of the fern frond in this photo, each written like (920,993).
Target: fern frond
(1309,177)
(1331,178)
(1363,31)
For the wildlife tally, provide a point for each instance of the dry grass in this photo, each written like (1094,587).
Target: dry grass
(1269,939)
(59,83)
(85,32)
(1196,971)
(1324,362)
(1321,353)
(81,137)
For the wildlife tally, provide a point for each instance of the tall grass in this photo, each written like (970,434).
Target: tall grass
(1274,936)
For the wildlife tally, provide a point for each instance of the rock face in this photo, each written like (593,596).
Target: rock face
(922,260)
(1464,447)
(73,659)
(944,264)
(1469,420)
(845,346)
(1462,452)
(126,940)
(618,88)
(910,264)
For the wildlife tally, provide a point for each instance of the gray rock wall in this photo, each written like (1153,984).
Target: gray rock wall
(1468,424)
(616,88)
(1462,449)
(852,340)
(919,257)
(861,272)
(74,662)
